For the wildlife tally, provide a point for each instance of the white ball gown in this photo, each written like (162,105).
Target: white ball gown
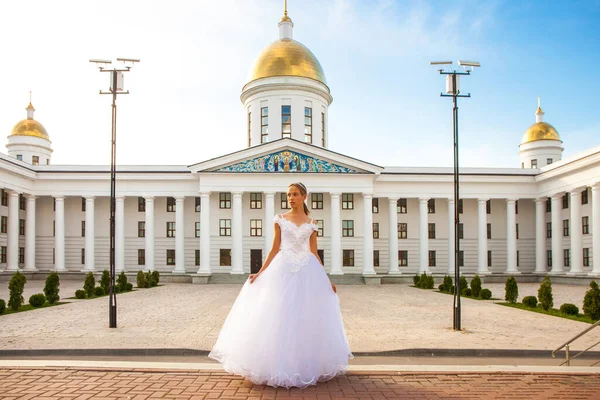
(286,328)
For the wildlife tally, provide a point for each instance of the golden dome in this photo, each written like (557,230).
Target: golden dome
(29,127)
(540,131)
(287,57)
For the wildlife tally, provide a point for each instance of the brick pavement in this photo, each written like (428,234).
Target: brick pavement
(137,384)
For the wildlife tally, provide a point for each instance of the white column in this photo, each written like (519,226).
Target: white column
(12,245)
(119,234)
(59,233)
(179,235)
(204,233)
(90,235)
(511,237)
(576,234)
(268,225)
(30,234)
(336,236)
(451,237)
(557,235)
(540,235)
(423,237)
(595,230)
(368,268)
(482,267)
(149,233)
(237,234)
(393,239)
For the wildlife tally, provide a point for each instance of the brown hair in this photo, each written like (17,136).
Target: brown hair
(303,191)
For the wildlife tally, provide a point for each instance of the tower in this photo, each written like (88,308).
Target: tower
(29,142)
(541,144)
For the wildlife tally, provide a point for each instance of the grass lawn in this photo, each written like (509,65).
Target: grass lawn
(468,297)
(29,307)
(553,311)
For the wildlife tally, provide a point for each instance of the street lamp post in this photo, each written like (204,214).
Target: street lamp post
(116,87)
(453,90)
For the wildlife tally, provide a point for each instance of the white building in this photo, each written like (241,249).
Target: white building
(215,217)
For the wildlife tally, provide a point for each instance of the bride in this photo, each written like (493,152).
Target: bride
(285,327)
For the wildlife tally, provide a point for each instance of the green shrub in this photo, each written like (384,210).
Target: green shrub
(426,281)
(485,294)
(129,286)
(89,284)
(2,306)
(545,294)
(447,285)
(417,280)
(466,292)
(149,279)
(80,294)
(51,288)
(122,281)
(511,290)
(99,291)
(141,279)
(569,309)
(591,301)
(16,287)
(105,282)
(156,277)
(37,300)
(530,301)
(476,286)
(463,283)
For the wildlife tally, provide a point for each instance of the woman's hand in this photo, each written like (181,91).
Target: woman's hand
(333,287)
(253,277)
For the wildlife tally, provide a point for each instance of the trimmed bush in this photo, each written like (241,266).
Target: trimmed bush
(149,280)
(141,279)
(485,294)
(545,294)
(51,288)
(476,286)
(511,290)
(99,291)
(89,284)
(426,281)
(530,301)
(463,283)
(129,286)
(16,287)
(2,306)
(466,292)
(122,281)
(417,280)
(37,300)
(591,301)
(447,285)
(105,282)
(80,294)
(569,309)
(156,277)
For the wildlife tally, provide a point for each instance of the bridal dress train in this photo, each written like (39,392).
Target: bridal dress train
(286,328)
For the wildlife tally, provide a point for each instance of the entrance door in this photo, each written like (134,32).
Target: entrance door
(255,260)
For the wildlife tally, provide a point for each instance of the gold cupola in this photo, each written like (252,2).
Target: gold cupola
(29,126)
(540,130)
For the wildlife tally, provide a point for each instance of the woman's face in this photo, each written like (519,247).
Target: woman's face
(295,197)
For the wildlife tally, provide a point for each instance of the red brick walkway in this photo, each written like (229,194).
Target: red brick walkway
(102,383)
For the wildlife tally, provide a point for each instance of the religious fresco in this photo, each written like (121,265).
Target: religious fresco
(286,161)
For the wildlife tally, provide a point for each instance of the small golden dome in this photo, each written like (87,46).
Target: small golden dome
(29,127)
(287,57)
(285,18)
(540,131)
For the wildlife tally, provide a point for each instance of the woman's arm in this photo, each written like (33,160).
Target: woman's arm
(272,253)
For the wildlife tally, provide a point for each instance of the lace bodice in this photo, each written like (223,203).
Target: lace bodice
(295,241)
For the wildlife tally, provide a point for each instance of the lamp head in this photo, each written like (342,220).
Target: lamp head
(469,65)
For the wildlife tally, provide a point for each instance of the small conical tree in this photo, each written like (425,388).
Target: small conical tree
(88,284)
(511,290)
(105,281)
(545,294)
(591,302)
(15,288)
(475,286)
(51,289)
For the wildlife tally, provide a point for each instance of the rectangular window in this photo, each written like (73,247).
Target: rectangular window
(534,163)
(54,256)
(347,201)
(401,206)
(565,201)
(348,258)
(225,257)
(21,227)
(517,207)
(286,122)
(517,230)
(316,201)
(586,257)
(584,196)
(548,230)
(461,231)
(403,258)
(431,230)
(488,207)
(224,227)
(517,258)
(197,230)
(224,200)
(321,254)
(255,201)
(376,258)
(21,255)
(308,125)
(20,157)
(375,230)
(284,202)
(319,223)
(402,230)
(565,227)
(460,206)
(347,228)
(141,228)
(489,231)
(141,257)
(567,257)
(196,257)
(170,256)
(3,255)
(489,258)
(264,124)
(4,198)
(548,205)
(21,202)
(431,206)
(53,228)
(585,225)
(549,258)
(82,228)
(256,227)
(170,229)
(432,258)
(170,204)
(197,204)
(323,129)
(375,206)
(82,256)
(4,224)
(141,205)
(35,160)
(249,129)
(83,204)
(461,258)
(549,161)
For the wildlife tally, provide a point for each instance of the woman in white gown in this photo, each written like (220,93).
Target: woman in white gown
(285,327)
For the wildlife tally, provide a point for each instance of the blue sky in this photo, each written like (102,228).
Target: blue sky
(184,104)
